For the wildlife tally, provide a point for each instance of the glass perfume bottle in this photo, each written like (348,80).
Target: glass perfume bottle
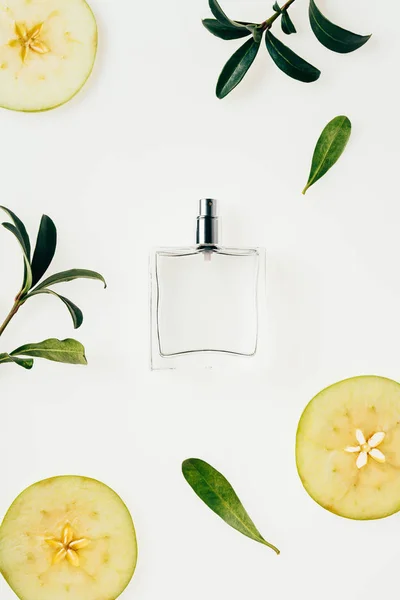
(206,300)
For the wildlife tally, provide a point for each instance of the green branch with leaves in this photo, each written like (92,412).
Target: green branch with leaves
(35,267)
(331,36)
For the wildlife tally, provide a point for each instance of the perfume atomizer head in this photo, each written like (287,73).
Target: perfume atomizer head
(207,233)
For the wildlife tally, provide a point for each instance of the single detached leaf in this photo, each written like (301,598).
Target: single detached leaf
(27,281)
(287,23)
(64,351)
(221,16)
(74,311)
(45,248)
(289,62)
(332,36)
(216,491)
(70,275)
(225,32)
(330,145)
(26,363)
(25,242)
(237,67)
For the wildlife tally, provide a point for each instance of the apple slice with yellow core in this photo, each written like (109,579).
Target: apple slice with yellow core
(47,52)
(68,538)
(348,448)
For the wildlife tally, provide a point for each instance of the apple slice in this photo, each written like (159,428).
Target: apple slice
(47,52)
(348,448)
(68,538)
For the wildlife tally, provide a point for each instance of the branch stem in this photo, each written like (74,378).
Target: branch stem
(268,23)
(11,314)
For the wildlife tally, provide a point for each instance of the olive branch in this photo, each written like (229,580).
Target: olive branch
(35,266)
(331,36)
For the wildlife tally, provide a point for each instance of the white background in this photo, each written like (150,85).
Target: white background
(120,170)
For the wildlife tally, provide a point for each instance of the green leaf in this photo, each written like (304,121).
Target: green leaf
(221,16)
(45,248)
(330,145)
(74,311)
(27,281)
(14,230)
(216,491)
(289,62)
(70,275)
(237,67)
(287,23)
(26,363)
(276,8)
(64,351)
(19,230)
(225,32)
(332,36)
(25,242)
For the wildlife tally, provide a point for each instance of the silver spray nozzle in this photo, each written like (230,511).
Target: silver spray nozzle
(207,223)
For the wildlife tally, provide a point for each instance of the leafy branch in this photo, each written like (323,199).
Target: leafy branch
(331,36)
(66,351)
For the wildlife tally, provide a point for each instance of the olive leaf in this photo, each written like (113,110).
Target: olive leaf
(329,148)
(65,351)
(289,62)
(221,16)
(27,280)
(287,23)
(276,8)
(225,32)
(216,491)
(237,67)
(26,363)
(19,231)
(74,311)
(332,36)
(25,242)
(63,277)
(45,248)
(70,275)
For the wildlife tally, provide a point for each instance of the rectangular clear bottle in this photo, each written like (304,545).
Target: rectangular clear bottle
(206,300)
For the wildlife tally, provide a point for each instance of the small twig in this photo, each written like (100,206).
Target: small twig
(268,22)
